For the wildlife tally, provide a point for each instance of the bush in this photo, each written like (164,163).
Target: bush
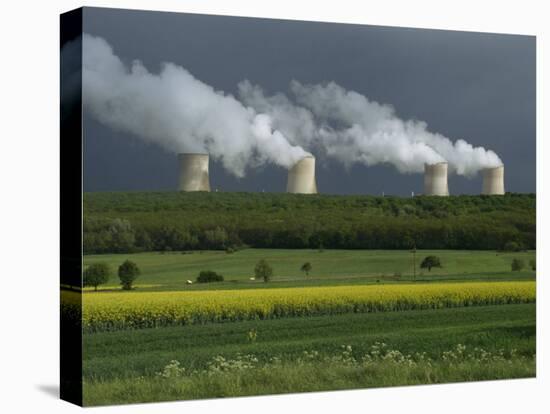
(533,264)
(96,274)
(127,273)
(207,276)
(263,271)
(517,265)
(429,262)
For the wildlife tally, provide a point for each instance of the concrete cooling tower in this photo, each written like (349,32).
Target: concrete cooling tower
(435,179)
(193,174)
(301,177)
(493,181)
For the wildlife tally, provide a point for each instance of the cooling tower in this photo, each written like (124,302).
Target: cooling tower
(301,177)
(193,172)
(493,181)
(435,179)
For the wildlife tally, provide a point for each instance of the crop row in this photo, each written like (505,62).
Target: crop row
(131,310)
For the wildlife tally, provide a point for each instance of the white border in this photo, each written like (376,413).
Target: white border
(29,171)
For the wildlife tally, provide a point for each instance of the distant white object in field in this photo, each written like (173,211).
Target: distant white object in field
(189,282)
(252,278)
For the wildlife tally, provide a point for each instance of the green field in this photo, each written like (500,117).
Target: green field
(168,271)
(306,353)
(172,338)
(121,366)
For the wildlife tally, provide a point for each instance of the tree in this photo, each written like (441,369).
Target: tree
(306,267)
(96,274)
(121,236)
(533,264)
(517,265)
(216,238)
(511,246)
(429,262)
(128,272)
(263,270)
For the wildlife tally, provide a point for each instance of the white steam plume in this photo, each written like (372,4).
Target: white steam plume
(295,122)
(179,112)
(347,126)
(183,114)
(380,136)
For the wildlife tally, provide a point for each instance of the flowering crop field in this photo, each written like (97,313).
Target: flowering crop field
(132,310)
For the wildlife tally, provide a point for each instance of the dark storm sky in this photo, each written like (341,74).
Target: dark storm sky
(478,87)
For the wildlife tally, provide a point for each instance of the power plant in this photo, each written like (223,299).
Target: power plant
(435,179)
(193,174)
(493,181)
(301,177)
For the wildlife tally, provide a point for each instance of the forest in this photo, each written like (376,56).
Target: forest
(129,222)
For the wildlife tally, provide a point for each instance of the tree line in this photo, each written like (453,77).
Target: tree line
(134,222)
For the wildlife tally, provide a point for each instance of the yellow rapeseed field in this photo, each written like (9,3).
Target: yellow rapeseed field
(120,310)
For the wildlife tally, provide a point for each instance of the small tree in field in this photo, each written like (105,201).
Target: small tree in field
(96,274)
(517,265)
(429,262)
(263,270)
(306,268)
(128,272)
(533,264)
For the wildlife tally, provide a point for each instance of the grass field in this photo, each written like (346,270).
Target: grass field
(170,271)
(306,333)
(324,375)
(122,366)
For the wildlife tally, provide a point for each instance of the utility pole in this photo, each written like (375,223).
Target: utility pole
(414,261)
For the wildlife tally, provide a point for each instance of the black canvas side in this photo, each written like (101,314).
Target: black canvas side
(71,206)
